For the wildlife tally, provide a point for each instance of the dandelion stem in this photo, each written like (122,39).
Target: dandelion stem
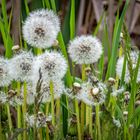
(87,115)
(83,72)
(78,121)
(58,109)
(0,123)
(8,113)
(40,134)
(24,111)
(18,112)
(82,104)
(47,129)
(90,122)
(52,102)
(9,117)
(82,116)
(98,132)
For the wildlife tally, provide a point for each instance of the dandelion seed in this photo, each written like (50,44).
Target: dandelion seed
(21,66)
(52,64)
(5,77)
(119,67)
(41,28)
(85,49)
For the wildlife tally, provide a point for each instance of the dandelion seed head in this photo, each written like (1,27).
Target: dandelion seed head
(119,67)
(41,120)
(41,28)
(5,77)
(58,89)
(52,64)
(85,49)
(22,66)
(49,15)
(91,95)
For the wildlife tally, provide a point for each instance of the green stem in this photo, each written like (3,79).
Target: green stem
(52,102)
(82,117)
(47,129)
(9,117)
(19,112)
(78,121)
(8,112)
(24,108)
(98,122)
(82,104)
(90,122)
(58,109)
(87,115)
(83,72)
(0,123)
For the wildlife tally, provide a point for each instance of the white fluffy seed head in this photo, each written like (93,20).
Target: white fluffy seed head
(41,27)
(58,88)
(52,64)
(120,63)
(88,97)
(85,49)
(22,66)
(5,77)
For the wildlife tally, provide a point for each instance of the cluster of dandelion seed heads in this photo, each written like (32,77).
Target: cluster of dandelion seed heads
(5,77)
(41,27)
(85,49)
(120,63)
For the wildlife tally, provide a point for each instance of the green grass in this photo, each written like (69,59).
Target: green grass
(100,126)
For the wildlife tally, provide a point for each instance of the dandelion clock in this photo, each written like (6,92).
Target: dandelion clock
(41,27)
(85,49)
(5,77)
